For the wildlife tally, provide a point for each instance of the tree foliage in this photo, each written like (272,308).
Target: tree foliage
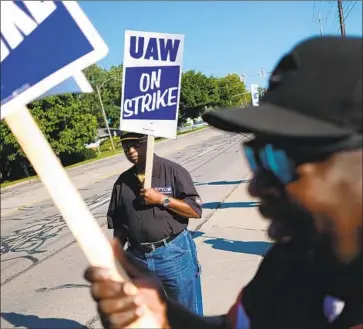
(70,121)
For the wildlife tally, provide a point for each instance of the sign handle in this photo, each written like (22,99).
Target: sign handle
(75,212)
(149,161)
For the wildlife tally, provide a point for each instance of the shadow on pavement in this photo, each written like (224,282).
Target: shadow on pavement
(259,248)
(224,205)
(245,247)
(35,322)
(197,234)
(223,182)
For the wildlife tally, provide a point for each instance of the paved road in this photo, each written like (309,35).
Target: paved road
(41,266)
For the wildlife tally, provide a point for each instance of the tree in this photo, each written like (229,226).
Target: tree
(13,161)
(64,121)
(232,91)
(197,92)
(261,91)
(110,84)
(111,95)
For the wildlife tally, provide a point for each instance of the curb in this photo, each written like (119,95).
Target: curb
(36,180)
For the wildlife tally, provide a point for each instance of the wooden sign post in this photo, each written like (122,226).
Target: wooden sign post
(149,161)
(23,82)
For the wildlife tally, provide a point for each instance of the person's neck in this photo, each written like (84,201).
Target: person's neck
(140,168)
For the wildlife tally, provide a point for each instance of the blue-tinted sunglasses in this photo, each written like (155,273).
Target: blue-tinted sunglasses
(272,159)
(283,163)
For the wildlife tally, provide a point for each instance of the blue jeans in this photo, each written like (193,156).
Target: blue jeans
(177,266)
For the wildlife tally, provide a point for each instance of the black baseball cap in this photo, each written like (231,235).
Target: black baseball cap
(125,136)
(315,91)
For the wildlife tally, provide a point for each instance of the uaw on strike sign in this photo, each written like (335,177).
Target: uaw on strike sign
(151,83)
(44,47)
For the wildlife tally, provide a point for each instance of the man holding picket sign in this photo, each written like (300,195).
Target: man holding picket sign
(154,221)
(152,201)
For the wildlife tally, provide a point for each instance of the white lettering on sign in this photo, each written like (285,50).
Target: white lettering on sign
(15,22)
(150,101)
(148,81)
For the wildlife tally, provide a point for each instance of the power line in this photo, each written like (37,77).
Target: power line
(320,5)
(348,6)
(333,21)
(346,16)
(313,11)
(354,3)
(325,8)
(330,8)
(320,24)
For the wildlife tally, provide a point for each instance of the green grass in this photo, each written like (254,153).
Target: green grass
(104,154)
(7,183)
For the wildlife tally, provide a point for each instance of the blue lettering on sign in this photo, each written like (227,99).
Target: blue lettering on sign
(36,41)
(155,49)
(164,190)
(151,93)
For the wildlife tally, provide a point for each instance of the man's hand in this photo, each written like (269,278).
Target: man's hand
(120,304)
(152,197)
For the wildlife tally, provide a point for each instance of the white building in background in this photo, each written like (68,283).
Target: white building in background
(102,134)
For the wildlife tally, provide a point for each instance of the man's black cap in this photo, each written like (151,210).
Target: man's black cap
(125,135)
(315,91)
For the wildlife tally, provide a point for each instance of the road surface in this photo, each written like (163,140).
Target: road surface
(42,266)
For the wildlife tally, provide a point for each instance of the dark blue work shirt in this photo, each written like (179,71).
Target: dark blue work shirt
(150,223)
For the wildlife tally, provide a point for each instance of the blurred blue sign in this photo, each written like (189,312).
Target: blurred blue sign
(45,45)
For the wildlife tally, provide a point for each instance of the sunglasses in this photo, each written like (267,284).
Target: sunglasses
(282,162)
(272,159)
(135,143)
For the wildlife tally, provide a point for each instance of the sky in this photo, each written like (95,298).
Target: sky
(223,37)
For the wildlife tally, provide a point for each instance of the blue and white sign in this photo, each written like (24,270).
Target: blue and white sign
(255,95)
(151,83)
(45,45)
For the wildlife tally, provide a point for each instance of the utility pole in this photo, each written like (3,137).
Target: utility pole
(105,118)
(321,25)
(341,18)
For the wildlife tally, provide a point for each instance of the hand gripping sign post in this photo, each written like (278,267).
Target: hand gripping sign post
(39,58)
(151,87)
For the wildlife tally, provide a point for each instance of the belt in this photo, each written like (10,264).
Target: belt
(151,246)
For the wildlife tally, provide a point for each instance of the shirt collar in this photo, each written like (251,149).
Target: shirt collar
(156,167)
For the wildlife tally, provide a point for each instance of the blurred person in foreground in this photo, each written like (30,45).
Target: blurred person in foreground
(306,157)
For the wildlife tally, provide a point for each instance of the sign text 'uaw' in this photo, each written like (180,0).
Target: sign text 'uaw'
(38,52)
(151,83)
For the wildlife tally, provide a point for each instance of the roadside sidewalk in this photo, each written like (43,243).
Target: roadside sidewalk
(230,247)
